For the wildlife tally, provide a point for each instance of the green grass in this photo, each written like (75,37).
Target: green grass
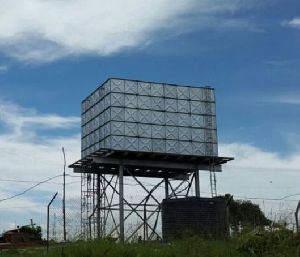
(258,244)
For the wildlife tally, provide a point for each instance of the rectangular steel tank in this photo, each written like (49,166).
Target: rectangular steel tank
(184,217)
(129,115)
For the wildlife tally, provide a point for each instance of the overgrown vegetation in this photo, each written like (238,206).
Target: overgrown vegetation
(245,215)
(261,242)
(258,243)
(253,235)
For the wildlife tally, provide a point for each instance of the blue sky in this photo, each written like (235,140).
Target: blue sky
(247,50)
(253,64)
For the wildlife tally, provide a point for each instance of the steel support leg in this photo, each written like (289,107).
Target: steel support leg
(166,188)
(197,183)
(98,206)
(121,202)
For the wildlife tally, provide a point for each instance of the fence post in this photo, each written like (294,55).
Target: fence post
(121,202)
(228,202)
(296,217)
(48,207)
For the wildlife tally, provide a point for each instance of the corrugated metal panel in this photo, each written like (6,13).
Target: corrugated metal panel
(158,145)
(184,133)
(172,132)
(197,107)
(116,99)
(198,135)
(215,149)
(131,101)
(182,119)
(208,94)
(131,115)
(158,118)
(157,103)
(198,148)
(158,131)
(144,130)
(145,144)
(101,133)
(209,108)
(115,113)
(183,106)
(117,128)
(196,93)
(131,87)
(145,116)
(171,119)
(185,147)
(144,102)
(144,88)
(157,89)
(97,96)
(170,91)
(131,129)
(209,149)
(117,85)
(183,93)
(117,143)
(170,105)
(172,146)
(131,143)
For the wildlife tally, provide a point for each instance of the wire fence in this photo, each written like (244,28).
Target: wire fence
(279,212)
(73,220)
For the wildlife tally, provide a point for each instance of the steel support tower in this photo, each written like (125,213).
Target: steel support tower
(107,212)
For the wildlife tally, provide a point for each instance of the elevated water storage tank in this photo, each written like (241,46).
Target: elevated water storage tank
(148,117)
(183,217)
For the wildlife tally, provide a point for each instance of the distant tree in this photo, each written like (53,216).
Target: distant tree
(245,214)
(35,230)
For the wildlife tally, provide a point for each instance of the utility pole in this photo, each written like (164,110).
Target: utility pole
(64,196)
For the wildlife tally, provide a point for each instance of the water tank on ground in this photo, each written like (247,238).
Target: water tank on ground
(184,217)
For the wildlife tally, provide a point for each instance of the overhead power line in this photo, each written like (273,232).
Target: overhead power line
(35,181)
(284,198)
(26,181)
(29,189)
(269,199)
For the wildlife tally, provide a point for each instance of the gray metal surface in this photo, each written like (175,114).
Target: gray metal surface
(193,216)
(149,117)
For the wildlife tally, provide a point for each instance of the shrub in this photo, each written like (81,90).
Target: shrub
(261,242)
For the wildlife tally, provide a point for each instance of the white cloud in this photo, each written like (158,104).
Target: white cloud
(283,99)
(254,172)
(28,154)
(44,30)
(294,23)
(263,177)
(253,158)
(19,120)
(282,62)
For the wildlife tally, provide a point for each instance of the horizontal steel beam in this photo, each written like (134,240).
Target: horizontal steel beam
(159,164)
(141,173)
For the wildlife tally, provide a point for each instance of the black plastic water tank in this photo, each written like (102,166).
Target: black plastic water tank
(205,217)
